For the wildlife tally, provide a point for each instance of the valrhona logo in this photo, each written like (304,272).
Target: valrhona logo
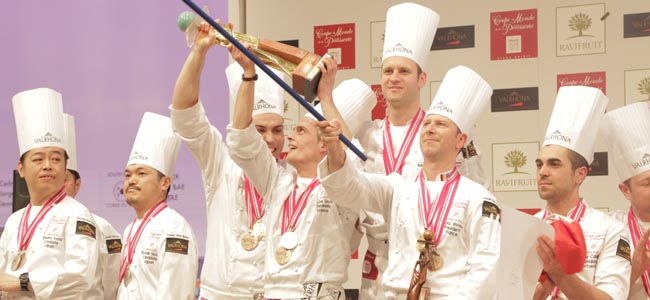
(441,106)
(137,156)
(47,138)
(398,48)
(262,104)
(558,136)
(644,161)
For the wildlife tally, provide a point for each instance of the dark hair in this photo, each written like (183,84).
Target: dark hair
(75,174)
(160,176)
(577,161)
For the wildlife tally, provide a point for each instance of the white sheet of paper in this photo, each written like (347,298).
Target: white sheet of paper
(519,265)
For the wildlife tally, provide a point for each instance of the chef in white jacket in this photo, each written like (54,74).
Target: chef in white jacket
(562,164)
(104,285)
(627,131)
(48,249)
(461,216)
(233,266)
(160,253)
(307,241)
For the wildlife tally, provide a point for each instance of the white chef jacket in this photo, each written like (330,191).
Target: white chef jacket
(64,243)
(165,262)
(637,292)
(374,223)
(105,282)
(323,230)
(605,267)
(229,272)
(469,246)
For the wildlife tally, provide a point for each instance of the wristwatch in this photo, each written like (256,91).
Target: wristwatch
(24,282)
(244,78)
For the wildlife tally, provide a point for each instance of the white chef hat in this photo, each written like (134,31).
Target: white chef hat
(410,29)
(39,119)
(155,145)
(269,96)
(70,140)
(575,119)
(462,96)
(354,99)
(627,131)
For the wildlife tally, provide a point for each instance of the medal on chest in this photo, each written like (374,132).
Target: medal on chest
(293,208)
(255,209)
(18,261)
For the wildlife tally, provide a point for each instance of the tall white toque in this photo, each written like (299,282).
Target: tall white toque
(71,141)
(155,145)
(269,96)
(627,131)
(39,119)
(462,96)
(575,119)
(410,29)
(354,100)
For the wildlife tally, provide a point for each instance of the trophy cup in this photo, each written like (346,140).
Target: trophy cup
(300,64)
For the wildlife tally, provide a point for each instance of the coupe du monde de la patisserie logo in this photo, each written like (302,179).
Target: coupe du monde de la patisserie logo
(580,30)
(513,167)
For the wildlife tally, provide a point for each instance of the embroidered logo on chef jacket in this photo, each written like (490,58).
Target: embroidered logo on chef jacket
(455,224)
(623,249)
(491,210)
(177,245)
(114,246)
(593,252)
(86,228)
(324,204)
(53,235)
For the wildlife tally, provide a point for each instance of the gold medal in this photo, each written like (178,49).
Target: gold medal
(435,260)
(282,256)
(249,242)
(127,278)
(18,261)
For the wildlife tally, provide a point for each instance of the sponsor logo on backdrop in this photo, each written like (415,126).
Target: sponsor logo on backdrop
(598,167)
(636,25)
(338,41)
(637,86)
(379,111)
(513,167)
(513,34)
(580,30)
(526,98)
(377,30)
(592,79)
(453,38)
(6,192)
(294,43)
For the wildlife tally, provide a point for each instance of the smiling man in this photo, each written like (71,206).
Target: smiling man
(458,217)
(160,253)
(48,249)
(561,169)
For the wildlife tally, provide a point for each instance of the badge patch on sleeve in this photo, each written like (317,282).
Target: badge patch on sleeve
(490,210)
(623,249)
(85,228)
(114,246)
(176,245)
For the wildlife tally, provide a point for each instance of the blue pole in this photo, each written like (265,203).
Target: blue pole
(271,74)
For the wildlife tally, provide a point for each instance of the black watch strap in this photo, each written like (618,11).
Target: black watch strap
(24,282)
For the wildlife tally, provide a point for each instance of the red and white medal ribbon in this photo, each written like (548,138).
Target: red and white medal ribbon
(26,231)
(132,241)
(254,202)
(293,207)
(434,214)
(394,163)
(635,234)
(576,215)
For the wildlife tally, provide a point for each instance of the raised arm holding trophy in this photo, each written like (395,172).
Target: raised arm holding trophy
(300,64)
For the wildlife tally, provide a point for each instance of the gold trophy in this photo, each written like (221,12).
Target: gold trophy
(300,64)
